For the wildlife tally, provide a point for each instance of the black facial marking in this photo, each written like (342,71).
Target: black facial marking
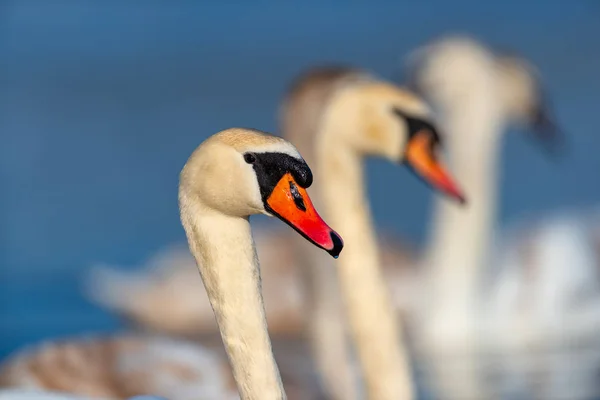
(546,130)
(298,200)
(271,167)
(416,125)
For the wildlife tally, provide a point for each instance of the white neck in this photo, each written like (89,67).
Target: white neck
(226,256)
(368,302)
(461,235)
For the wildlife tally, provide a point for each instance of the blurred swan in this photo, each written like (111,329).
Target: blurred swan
(118,367)
(338,117)
(21,394)
(26,394)
(477,95)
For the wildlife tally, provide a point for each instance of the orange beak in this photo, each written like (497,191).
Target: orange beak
(289,202)
(420,156)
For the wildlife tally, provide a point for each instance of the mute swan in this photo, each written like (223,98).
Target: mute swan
(118,367)
(337,117)
(230,176)
(477,94)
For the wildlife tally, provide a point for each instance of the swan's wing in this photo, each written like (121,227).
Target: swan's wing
(25,394)
(121,366)
(166,294)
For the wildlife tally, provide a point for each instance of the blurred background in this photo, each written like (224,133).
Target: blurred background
(102,102)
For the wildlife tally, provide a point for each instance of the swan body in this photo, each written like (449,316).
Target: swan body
(547,291)
(230,176)
(19,394)
(24,394)
(121,366)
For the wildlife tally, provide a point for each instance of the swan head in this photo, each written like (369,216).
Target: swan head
(450,70)
(523,100)
(241,172)
(460,73)
(376,118)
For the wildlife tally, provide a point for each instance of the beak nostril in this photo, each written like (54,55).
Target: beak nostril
(284,201)
(298,199)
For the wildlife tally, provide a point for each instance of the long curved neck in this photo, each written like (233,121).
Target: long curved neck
(346,205)
(461,235)
(226,256)
(368,302)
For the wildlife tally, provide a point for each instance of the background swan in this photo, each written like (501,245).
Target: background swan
(338,117)
(478,95)
(24,394)
(120,366)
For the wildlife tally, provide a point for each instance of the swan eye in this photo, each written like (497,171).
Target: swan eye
(249,158)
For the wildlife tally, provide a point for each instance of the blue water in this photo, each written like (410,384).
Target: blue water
(101,104)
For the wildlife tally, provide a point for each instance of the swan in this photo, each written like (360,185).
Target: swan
(119,366)
(230,176)
(477,95)
(337,117)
